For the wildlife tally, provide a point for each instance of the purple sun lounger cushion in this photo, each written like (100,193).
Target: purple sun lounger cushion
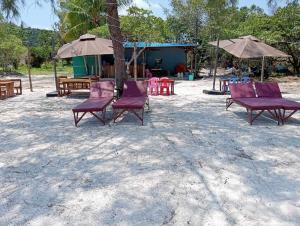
(93,104)
(102,89)
(101,95)
(135,89)
(258,103)
(242,90)
(268,89)
(133,99)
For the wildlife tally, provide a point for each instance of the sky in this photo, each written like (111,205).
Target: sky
(33,15)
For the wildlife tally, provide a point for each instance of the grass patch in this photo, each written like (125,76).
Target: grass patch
(47,70)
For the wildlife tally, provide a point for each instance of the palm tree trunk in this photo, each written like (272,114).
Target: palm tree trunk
(117,41)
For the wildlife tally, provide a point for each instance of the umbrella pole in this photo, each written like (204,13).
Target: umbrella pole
(100,65)
(262,69)
(85,65)
(216,64)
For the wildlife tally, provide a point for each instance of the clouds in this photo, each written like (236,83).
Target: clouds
(155,6)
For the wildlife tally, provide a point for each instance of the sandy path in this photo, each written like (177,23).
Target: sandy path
(193,163)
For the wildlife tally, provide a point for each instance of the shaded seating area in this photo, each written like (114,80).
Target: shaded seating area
(133,99)
(266,98)
(101,95)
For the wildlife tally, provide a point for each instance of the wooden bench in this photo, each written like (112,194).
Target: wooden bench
(6,89)
(17,86)
(70,84)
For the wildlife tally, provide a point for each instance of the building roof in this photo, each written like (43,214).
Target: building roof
(156,45)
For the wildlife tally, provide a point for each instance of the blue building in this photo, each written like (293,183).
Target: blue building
(161,58)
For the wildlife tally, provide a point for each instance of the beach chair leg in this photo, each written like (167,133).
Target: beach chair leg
(229,102)
(116,115)
(285,118)
(138,116)
(276,115)
(76,118)
(97,117)
(148,104)
(253,117)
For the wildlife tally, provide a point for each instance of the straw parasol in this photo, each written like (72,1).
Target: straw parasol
(86,45)
(248,47)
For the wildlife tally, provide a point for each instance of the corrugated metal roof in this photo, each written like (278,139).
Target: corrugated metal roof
(156,45)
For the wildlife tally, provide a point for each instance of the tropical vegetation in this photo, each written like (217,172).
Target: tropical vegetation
(192,21)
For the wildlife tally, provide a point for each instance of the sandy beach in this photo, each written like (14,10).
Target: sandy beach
(192,163)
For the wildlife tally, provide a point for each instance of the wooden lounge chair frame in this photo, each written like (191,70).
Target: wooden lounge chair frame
(101,118)
(138,90)
(253,113)
(272,91)
(104,98)
(117,114)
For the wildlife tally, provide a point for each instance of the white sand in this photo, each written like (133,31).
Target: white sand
(193,163)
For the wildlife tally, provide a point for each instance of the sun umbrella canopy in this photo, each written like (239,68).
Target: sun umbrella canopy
(224,43)
(86,45)
(248,48)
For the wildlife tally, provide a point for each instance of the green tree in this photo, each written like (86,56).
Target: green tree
(11,51)
(285,32)
(141,24)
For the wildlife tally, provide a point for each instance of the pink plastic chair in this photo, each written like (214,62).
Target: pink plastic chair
(165,86)
(153,86)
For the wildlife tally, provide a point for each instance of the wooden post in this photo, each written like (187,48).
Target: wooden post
(262,69)
(55,74)
(144,64)
(54,64)
(100,65)
(29,68)
(216,64)
(135,62)
(85,65)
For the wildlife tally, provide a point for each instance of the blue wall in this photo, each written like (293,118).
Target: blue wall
(170,57)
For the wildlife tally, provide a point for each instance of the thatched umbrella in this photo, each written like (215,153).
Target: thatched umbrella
(86,45)
(248,47)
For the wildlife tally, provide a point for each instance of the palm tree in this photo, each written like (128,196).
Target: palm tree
(117,40)
(78,17)
(11,8)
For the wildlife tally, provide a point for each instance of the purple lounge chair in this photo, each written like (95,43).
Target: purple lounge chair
(244,95)
(101,95)
(272,91)
(133,99)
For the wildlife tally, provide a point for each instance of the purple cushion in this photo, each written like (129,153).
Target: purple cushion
(268,89)
(102,89)
(259,103)
(134,89)
(288,104)
(242,90)
(130,103)
(93,104)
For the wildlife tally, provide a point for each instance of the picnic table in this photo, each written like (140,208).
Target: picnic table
(7,88)
(70,84)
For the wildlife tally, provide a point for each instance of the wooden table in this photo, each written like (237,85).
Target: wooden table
(70,84)
(9,87)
